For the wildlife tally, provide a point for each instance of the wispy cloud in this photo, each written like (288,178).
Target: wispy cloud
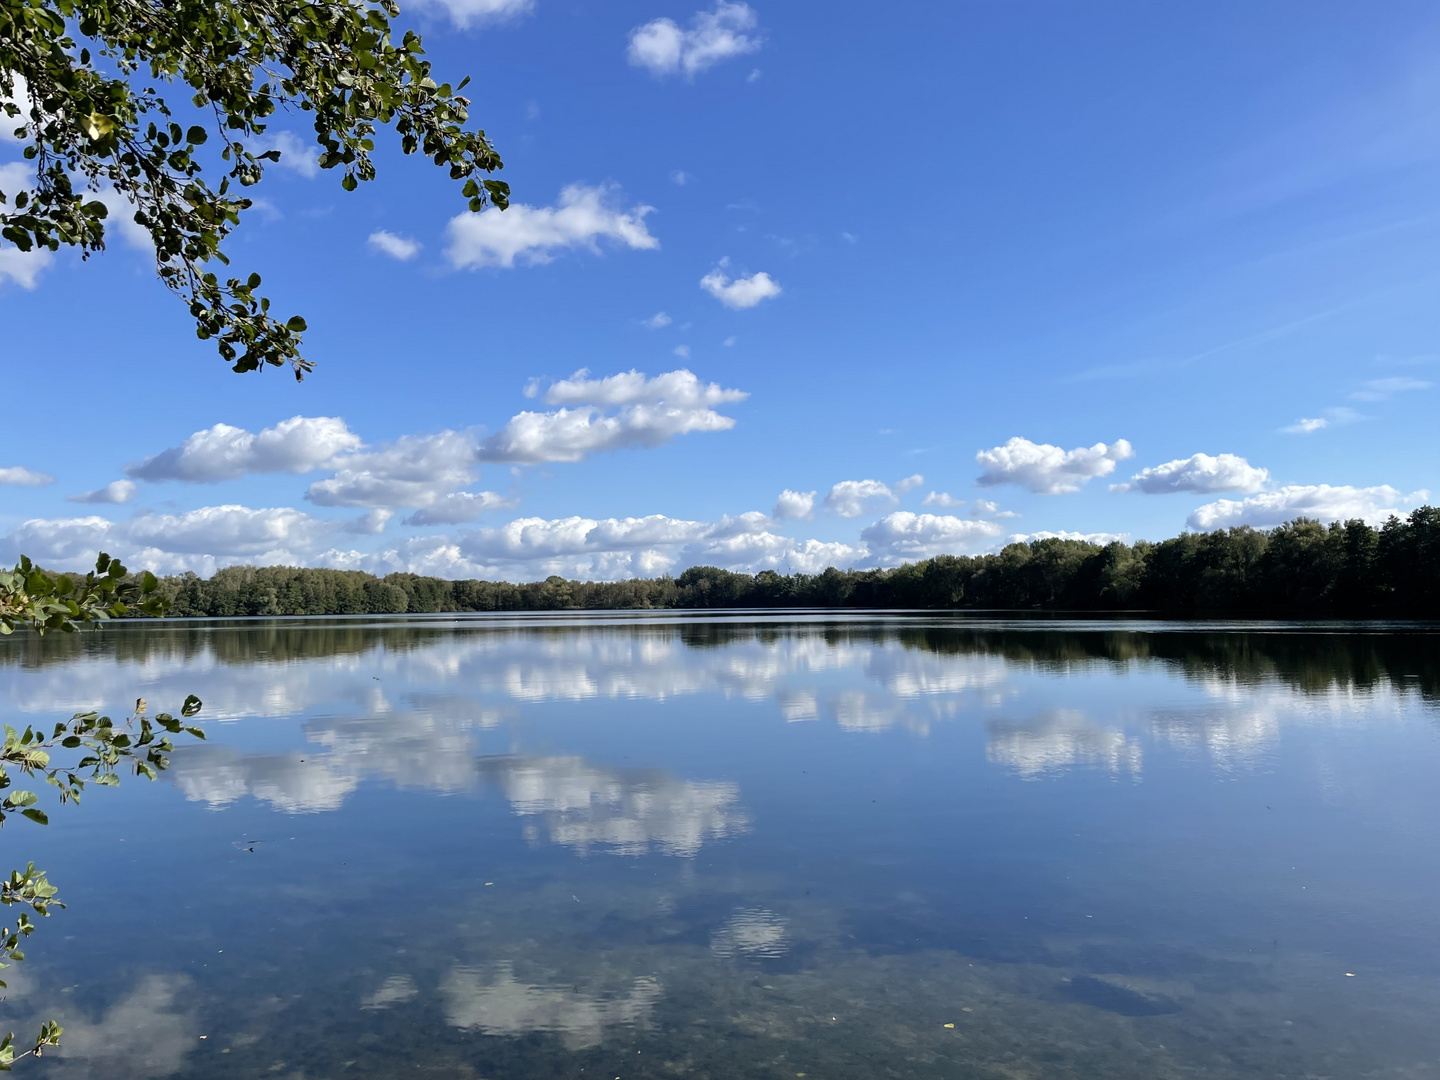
(468,13)
(23,477)
(1336,416)
(1384,389)
(397,247)
(296,154)
(114,493)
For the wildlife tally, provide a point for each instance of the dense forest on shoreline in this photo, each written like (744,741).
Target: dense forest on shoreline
(1300,568)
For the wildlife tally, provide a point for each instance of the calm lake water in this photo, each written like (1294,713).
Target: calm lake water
(821,846)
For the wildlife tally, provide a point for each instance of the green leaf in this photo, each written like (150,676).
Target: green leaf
(37,816)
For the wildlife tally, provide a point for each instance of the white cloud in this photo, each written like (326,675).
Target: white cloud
(265,208)
(1199,472)
(21,267)
(795,505)
(413,471)
(298,445)
(197,539)
(528,538)
(23,477)
(467,13)
(1305,425)
(1323,501)
(980,508)
(657,321)
(397,247)
(742,292)
(651,412)
(297,154)
(682,351)
(751,552)
(851,498)
(986,508)
(1046,469)
(116,492)
(910,483)
(370,523)
(529,549)
(225,531)
(1381,389)
(534,234)
(906,537)
(630,409)
(459,507)
(679,388)
(663,48)
(1100,538)
(58,542)
(943,499)
(680,178)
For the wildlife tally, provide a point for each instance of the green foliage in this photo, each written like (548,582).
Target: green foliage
(1301,568)
(49,1035)
(100,747)
(97,746)
(78,85)
(31,597)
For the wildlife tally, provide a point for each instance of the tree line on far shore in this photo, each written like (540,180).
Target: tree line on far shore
(1303,567)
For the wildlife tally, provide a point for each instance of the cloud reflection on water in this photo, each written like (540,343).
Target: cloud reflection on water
(625,812)
(146,1033)
(1061,739)
(405,703)
(503,1005)
(754,933)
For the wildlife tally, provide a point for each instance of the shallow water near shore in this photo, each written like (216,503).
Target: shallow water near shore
(746,845)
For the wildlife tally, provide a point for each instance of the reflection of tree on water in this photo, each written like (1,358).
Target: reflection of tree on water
(1309,657)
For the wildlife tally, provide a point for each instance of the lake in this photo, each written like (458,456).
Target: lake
(820,845)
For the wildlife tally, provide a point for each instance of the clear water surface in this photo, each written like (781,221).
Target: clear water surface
(812,845)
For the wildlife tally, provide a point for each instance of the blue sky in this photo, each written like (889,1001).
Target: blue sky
(1117,269)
